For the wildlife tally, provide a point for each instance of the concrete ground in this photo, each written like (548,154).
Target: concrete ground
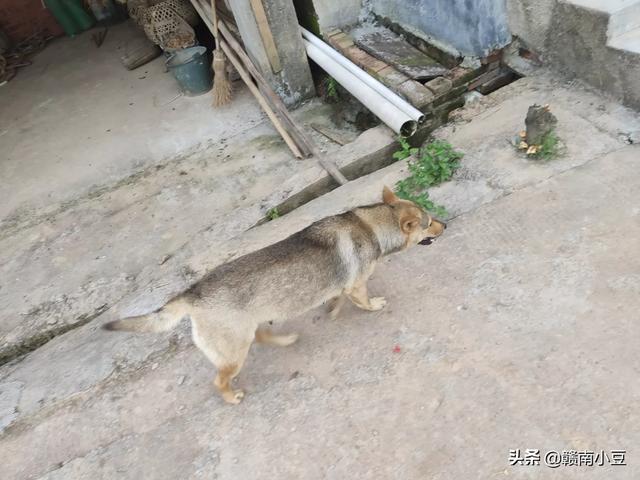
(107,174)
(75,87)
(515,330)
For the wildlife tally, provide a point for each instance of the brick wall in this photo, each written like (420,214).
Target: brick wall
(20,19)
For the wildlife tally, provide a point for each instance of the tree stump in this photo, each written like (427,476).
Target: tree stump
(539,122)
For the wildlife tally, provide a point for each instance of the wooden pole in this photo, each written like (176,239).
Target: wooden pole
(256,93)
(266,35)
(274,99)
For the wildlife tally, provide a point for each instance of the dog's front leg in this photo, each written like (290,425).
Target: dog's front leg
(360,298)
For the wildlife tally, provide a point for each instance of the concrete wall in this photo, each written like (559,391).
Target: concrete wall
(530,21)
(293,83)
(473,27)
(573,40)
(337,13)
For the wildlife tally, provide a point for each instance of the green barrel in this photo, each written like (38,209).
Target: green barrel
(70,15)
(192,69)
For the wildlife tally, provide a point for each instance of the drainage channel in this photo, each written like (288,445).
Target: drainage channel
(488,76)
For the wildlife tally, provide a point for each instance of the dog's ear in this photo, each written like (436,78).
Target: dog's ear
(388,196)
(409,223)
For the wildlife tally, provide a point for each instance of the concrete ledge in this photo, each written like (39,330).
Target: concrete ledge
(76,302)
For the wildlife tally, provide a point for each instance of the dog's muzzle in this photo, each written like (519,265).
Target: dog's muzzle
(429,240)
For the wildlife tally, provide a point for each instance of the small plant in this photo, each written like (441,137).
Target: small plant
(273,213)
(405,150)
(331,87)
(436,163)
(549,148)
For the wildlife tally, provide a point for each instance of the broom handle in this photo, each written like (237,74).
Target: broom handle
(214,16)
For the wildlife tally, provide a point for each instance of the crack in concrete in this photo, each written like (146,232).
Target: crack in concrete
(34,342)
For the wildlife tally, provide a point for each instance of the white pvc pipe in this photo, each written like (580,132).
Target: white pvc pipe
(390,95)
(382,108)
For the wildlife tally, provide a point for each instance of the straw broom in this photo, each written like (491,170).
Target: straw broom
(221,84)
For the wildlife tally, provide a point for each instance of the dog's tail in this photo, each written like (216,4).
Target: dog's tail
(163,319)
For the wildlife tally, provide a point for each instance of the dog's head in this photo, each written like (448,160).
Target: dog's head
(417,225)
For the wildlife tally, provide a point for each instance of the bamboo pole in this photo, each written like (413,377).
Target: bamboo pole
(265,33)
(261,100)
(304,143)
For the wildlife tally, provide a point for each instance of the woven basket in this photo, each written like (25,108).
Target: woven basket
(170,21)
(185,10)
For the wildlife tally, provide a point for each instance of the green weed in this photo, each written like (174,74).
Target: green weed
(435,163)
(331,87)
(549,148)
(405,150)
(273,213)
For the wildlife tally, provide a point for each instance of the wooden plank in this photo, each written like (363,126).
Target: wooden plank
(261,100)
(266,35)
(391,49)
(484,78)
(305,144)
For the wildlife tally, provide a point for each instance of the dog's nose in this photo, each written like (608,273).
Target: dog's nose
(444,225)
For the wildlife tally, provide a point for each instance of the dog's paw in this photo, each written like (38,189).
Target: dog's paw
(377,303)
(286,340)
(234,396)
(277,340)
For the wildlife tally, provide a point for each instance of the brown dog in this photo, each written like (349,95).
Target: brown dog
(330,260)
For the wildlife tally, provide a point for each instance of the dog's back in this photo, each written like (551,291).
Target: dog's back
(293,275)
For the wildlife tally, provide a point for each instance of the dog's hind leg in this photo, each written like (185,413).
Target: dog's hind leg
(226,373)
(265,336)
(335,305)
(227,348)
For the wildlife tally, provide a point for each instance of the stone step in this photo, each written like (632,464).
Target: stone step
(624,20)
(629,41)
(607,6)
(579,43)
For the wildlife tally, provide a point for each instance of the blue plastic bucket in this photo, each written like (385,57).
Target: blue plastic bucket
(192,69)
